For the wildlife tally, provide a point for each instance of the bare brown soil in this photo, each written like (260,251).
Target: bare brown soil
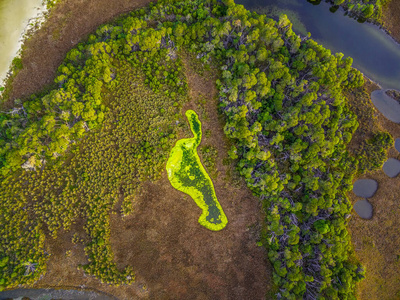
(69,23)
(391,18)
(377,241)
(173,256)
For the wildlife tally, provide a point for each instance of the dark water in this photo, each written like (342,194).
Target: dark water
(365,188)
(391,167)
(397,144)
(49,294)
(389,107)
(364,209)
(374,52)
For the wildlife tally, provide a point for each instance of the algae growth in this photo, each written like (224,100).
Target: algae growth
(187,174)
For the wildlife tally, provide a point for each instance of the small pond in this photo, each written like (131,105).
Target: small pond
(397,144)
(365,188)
(363,208)
(388,106)
(391,167)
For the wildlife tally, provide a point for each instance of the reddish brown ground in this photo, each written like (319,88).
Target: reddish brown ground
(173,256)
(391,18)
(377,241)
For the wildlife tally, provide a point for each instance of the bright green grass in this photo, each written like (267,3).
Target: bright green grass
(187,174)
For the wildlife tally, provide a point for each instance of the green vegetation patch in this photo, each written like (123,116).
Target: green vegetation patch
(369,144)
(187,174)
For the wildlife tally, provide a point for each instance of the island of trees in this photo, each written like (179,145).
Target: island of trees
(370,10)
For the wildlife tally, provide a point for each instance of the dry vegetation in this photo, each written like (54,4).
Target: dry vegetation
(377,241)
(391,18)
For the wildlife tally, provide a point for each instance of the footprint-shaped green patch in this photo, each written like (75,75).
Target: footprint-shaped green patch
(187,174)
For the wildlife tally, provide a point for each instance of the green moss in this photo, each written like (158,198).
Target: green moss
(187,174)
(209,156)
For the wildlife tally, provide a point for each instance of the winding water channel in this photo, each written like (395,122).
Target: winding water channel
(374,52)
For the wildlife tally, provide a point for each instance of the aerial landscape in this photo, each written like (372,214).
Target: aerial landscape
(200,149)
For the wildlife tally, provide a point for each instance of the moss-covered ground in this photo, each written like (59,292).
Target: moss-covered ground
(187,174)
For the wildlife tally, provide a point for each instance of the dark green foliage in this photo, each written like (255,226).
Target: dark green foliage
(322,226)
(41,129)
(16,64)
(365,10)
(209,156)
(368,10)
(373,152)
